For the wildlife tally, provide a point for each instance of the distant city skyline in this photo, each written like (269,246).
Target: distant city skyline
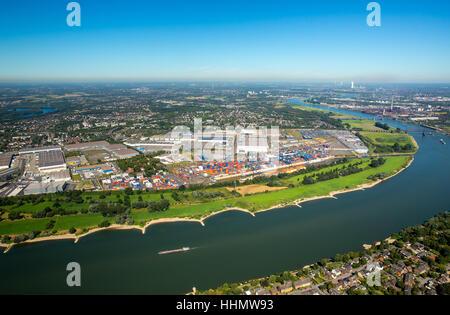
(136,40)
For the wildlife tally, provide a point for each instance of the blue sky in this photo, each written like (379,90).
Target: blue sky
(225,40)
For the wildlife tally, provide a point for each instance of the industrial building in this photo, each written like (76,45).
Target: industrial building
(345,137)
(39,149)
(5,160)
(101,168)
(51,161)
(44,188)
(121,151)
(7,173)
(147,147)
(125,153)
(87,146)
(115,147)
(118,150)
(57,176)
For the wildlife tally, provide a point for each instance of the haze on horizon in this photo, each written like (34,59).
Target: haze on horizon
(202,40)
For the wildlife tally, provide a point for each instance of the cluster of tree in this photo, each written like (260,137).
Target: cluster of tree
(402,148)
(308,180)
(7,201)
(377,162)
(377,176)
(331,174)
(124,219)
(6,239)
(274,183)
(435,234)
(102,195)
(48,212)
(406,148)
(230,289)
(176,195)
(381,148)
(207,194)
(14,215)
(139,205)
(281,277)
(146,163)
(20,238)
(108,209)
(104,224)
(50,225)
(443,289)
(382,125)
(162,205)
(24,237)
(346,257)
(70,196)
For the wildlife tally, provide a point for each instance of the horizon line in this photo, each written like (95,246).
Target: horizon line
(204,80)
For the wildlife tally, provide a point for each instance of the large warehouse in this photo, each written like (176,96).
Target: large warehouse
(87,146)
(39,149)
(5,160)
(50,161)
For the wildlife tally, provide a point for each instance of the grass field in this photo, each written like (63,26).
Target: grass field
(192,208)
(388,139)
(63,223)
(362,124)
(312,109)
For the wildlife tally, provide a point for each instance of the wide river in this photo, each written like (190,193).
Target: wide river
(235,246)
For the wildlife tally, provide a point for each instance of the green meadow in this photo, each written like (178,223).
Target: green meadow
(189,207)
(362,124)
(388,138)
(383,140)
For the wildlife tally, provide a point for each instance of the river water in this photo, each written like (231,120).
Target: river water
(235,246)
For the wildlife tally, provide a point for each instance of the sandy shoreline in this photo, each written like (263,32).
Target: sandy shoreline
(297,202)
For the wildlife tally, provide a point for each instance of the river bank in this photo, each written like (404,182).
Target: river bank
(294,237)
(202,220)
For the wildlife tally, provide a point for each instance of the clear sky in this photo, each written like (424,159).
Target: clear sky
(264,40)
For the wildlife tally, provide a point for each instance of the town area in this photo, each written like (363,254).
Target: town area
(413,262)
(155,163)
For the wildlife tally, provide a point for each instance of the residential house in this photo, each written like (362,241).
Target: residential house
(286,287)
(335,273)
(422,268)
(263,292)
(417,247)
(333,291)
(346,269)
(302,283)
(409,279)
(406,253)
(399,268)
(313,291)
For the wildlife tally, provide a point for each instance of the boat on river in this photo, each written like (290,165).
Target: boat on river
(180,250)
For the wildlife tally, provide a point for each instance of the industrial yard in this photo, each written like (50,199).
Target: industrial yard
(96,166)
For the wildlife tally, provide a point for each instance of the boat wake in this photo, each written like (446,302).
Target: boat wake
(174,251)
